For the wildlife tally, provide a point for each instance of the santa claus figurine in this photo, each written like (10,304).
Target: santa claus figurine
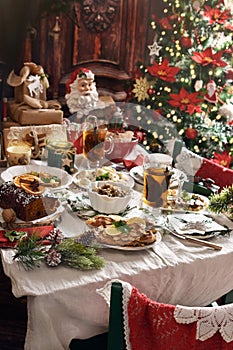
(211,94)
(82,95)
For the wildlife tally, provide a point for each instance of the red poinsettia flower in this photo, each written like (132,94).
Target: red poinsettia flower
(208,57)
(223,159)
(229,26)
(186,101)
(163,71)
(215,15)
(165,24)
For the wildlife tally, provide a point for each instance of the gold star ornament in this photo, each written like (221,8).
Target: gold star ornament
(141,89)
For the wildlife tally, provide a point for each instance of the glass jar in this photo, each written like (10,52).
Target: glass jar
(61,155)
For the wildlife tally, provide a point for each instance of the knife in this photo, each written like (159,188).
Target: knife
(195,240)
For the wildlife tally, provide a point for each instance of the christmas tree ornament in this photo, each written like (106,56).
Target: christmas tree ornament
(151,91)
(211,95)
(140,89)
(198,85)
(154,49)
(226,110)
(140,135)
(186,41)
(196,5)
(191,133)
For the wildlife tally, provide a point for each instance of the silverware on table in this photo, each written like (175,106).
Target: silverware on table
(194,240)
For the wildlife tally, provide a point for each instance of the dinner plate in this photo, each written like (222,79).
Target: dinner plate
(65,178)
(133,249)
(209,229)
(137,174)
(84,178)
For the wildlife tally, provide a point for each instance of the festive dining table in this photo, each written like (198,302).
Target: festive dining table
(63,302)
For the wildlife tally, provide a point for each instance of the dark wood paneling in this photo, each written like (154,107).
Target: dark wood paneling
(112,53)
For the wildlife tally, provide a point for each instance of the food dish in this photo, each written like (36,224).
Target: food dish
(26,206)
(133,249)
(44,219)
(109,197)
(188,203)
(84,178)
(132,232)
(50,217)
(117,232)
(65,178)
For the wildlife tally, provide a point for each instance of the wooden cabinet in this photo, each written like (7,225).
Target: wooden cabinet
(112,36)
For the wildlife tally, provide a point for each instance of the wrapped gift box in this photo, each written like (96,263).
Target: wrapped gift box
(20,91)
(24,115)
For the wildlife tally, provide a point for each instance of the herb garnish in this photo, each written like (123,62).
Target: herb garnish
(102,177)
(122,226)
(14,235)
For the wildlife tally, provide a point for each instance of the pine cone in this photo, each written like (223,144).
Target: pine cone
(53,258)
(55,235)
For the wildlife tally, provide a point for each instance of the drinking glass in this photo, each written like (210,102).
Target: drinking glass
(156,182)
(96,142)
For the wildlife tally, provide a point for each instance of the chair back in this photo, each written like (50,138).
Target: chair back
(116,326)
(144,324)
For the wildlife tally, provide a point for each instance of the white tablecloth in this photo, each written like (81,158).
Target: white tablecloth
(63,303)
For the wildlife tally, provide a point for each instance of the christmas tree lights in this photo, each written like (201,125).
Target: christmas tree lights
(189,77)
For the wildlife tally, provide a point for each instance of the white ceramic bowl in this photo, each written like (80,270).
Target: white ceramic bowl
(105,204)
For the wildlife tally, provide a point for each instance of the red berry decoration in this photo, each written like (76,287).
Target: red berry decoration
(191,133)
(186,42)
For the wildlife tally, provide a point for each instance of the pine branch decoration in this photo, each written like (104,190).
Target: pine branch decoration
(31,253)
(222,202)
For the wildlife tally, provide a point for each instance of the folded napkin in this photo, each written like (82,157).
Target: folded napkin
(41,231)
(129,163)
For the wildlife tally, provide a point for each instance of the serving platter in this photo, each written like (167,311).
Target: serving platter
(84,178)
(64,178)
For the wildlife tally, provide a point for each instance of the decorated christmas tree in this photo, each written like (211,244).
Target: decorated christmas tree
(188,79)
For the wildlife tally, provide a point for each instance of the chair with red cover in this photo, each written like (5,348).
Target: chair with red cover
(149,325)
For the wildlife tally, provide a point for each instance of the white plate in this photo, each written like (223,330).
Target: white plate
(137,174)
(84,178)
(11,172)
(51,217)
(133,249)
(175,221)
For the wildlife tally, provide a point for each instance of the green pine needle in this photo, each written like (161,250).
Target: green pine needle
(222,202)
